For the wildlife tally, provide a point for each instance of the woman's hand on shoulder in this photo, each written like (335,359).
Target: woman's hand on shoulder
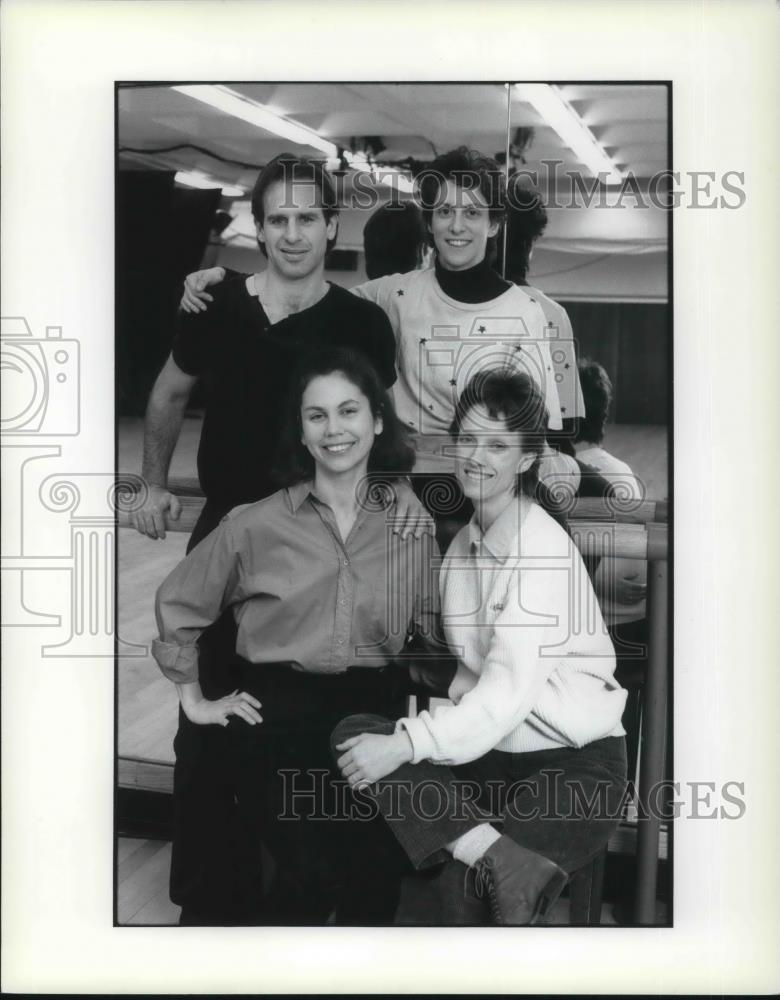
(207,713)
(370,757)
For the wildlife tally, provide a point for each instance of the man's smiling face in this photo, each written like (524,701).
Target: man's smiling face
(294,231)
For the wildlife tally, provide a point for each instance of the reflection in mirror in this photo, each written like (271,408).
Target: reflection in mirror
(601,251)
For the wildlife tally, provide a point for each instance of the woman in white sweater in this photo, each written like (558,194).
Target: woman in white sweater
(533,742)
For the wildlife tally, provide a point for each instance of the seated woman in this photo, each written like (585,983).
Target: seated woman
(324,595)
(535,730)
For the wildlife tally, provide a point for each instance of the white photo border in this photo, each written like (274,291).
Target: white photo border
(60,64)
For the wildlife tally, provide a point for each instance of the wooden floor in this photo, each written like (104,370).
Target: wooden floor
(142,882)
(142,887)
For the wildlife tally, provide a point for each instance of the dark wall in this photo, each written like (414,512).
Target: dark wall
(632,341)
(161,234)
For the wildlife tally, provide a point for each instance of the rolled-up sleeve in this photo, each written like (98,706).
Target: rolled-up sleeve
(191,598)
(178,663)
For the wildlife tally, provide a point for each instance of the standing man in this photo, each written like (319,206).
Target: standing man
(245,345)
(243,349)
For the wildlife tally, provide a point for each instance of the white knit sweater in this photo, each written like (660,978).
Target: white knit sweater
(536,665)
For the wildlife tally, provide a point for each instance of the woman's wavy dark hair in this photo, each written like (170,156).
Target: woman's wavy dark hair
(516,399)
(391,456)
(468,169)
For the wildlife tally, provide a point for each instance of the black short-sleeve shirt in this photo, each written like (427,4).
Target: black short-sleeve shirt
(245,363)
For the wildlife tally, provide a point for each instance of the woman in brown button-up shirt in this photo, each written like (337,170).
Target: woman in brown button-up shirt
(325,597)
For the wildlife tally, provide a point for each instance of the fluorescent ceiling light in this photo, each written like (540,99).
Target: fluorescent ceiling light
(195,179)
(556,112)
(235,104)
(388,176)
(358,161)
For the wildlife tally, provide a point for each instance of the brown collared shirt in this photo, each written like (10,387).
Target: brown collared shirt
(299,593)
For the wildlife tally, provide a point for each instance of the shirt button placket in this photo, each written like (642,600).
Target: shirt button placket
(343,613)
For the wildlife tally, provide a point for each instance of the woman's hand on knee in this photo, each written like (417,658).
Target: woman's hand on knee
(206,712)
(370,757)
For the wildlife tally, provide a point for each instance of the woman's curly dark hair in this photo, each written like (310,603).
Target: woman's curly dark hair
(391,455)
(470,170)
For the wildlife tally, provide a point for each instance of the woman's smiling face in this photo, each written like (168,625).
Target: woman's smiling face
(338,427)
(489,456)
(461,226)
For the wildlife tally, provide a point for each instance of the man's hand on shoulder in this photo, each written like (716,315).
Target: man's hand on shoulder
(149,519)
(195,298)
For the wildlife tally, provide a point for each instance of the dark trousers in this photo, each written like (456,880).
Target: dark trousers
(540,799)
(208,859)
(291,797)
(631,640)
(216,863)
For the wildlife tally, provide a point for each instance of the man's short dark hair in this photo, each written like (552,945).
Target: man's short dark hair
(291,169)
(391,457)
(526,220)
(468,169)
(393,240)
(597,396)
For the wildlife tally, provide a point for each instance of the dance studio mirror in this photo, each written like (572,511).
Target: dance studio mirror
(588,231)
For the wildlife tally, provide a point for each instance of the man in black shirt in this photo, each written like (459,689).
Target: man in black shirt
(243,348)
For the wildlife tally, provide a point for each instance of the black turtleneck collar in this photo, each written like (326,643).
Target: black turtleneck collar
(476,284)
